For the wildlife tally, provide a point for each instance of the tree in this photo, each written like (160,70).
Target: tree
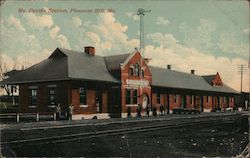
(4,74)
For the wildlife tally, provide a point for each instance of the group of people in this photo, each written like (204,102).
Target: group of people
(147,109)
(68,114)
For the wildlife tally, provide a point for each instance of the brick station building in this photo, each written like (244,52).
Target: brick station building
(107,86)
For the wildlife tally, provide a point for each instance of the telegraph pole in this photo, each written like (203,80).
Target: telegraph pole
(141,13)
(241,69)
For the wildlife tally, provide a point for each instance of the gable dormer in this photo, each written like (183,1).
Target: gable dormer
(214,80)
(57,53)
(217,80)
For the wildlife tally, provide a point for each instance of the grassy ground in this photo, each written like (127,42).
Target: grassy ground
(7,107)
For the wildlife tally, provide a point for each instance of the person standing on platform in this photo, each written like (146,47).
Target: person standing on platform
(129,112)
(139,108)
(161,109)
(154,111)
(71,109)
(147,110)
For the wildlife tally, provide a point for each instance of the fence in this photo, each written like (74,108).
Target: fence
(18,117)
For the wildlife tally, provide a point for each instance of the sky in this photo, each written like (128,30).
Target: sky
(209,36)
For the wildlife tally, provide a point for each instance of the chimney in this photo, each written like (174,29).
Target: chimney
(169,67)
(89,50)
(147,60)
(192,71)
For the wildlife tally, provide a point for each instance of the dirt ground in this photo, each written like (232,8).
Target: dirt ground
(217,138)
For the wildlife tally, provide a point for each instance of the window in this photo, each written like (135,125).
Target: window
(135,96)
(232,99)
(137,69)
(191,99)
(158,97)
(142,73)
(131,71)
(98,100)
(33,97)
(83,96)
(207,98)
(175,98)
(52,96)
(128,96)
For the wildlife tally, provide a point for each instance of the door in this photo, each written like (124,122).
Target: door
(98,101)
(114,102)
(183,101)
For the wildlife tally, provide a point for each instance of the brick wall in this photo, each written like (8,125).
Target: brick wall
(125,76)
(42,105)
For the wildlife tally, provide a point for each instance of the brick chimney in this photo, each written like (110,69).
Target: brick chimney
(89,50)
(192,71)
(147,60)
(169,67)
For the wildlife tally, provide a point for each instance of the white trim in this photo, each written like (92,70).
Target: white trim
(33,87)
(125,115)
(90,116)
(51,106)
(131,105)
(32,106)
(207,110)
(128,59)
(52,86)
(83,106)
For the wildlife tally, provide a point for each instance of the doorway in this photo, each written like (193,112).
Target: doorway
(145,100)
(98,101)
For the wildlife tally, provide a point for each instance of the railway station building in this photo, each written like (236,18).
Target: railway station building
(105,86)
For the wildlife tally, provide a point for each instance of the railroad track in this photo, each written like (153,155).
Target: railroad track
(121,131)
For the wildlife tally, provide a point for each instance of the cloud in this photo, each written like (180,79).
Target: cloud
(76,21)
(53,33)
(109,36)
(12,21)
(199,37)
(246,30)
(204,64)
(14,41)
(39,22)
(163,40)
(228,43)
(63,41)
(162,21)
(132,15)
(58,37)
(23,60)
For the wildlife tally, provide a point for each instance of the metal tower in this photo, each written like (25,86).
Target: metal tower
(141,13)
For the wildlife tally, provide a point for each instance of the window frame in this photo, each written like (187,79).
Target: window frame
(128,96)
(51,95)
(82,96)
(158,98)
(135,96)
(175,98)
(33,98)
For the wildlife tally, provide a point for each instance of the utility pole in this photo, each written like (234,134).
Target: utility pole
(241,69)
(141,13)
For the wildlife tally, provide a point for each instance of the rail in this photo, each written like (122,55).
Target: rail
(77,136)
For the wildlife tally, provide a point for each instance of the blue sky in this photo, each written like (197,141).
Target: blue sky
(207,36)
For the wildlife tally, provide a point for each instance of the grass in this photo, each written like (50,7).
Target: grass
(7,107)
